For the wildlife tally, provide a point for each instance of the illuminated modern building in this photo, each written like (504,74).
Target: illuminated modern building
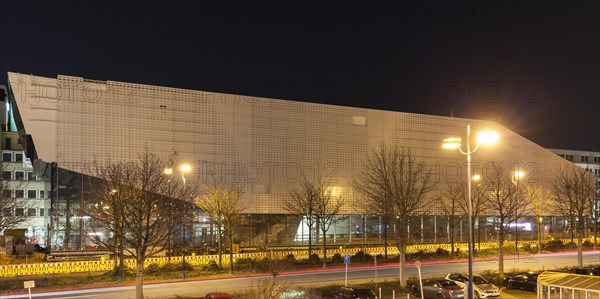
(260,144)
(19,184)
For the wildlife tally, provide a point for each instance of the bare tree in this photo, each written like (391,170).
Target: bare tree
(575,191)
(303,202)
(505,202)
(327,207)
(393,174)
(13,212)
(478,200)
(224,207)
(539,200)
(138,206)
(452,203)
(107,208)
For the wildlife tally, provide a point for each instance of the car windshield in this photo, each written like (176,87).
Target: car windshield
(479,280)
(447,283)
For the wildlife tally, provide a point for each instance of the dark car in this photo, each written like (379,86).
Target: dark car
(586,271)
(523,281)
(217,296)
(439,289)
(353,292)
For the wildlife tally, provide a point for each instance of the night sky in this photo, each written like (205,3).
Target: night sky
(532,66)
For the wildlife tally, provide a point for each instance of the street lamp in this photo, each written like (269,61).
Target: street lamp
(517,175)
(484,137)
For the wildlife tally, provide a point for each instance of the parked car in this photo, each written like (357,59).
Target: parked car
(586,271)
(217,296)
(353,292)
(439,289)
(482,287)
(524,281)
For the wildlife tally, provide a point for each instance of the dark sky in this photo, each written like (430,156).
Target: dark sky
(532,66)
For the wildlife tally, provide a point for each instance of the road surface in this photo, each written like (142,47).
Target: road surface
(198,288)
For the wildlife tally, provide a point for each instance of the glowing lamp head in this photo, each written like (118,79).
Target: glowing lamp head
(487,137)
(476,178)
(168,171)
(185,168)
(519,174)
(451,143)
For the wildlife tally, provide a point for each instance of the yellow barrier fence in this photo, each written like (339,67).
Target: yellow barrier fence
(46,268)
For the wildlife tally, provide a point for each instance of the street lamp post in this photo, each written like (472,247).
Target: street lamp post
(169,171)
(484,137)
(517,175)
(540,219)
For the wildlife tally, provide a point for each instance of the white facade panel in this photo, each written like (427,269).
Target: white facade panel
(259,143)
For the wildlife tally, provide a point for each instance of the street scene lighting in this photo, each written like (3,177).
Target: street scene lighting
(483,137)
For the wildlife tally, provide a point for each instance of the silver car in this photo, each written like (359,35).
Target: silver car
(439,289)
(483,288)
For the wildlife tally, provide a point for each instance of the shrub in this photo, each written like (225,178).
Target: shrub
(571,245)
(553,244)
(361,256)
(244,264)
(526,247)
(314,258)
(152,269)
(211,267)
(337,258)
(441,252)
(290,258)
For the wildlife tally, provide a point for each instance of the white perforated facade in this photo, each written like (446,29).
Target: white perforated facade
(259,143)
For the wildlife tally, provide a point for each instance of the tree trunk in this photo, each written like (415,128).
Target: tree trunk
(324,250)
(452,240)
(385,238)
(139,278)
(402,264)
(309,241)
(230,254)
(220,248)
(579,251)
(121,262)
(501,255)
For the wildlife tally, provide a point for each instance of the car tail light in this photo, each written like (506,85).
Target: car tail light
(450,291)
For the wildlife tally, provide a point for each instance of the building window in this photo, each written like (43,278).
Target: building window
(31,193)
(7,175)
(584,159)
(42,194)
(18,157)
(6,157)
(19,212)
(6,193)
(30,176)
(569,157)
(7,212)
(19,175)
(19,193)
(597,160)
(7,143)
(41,212)
(31,212)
